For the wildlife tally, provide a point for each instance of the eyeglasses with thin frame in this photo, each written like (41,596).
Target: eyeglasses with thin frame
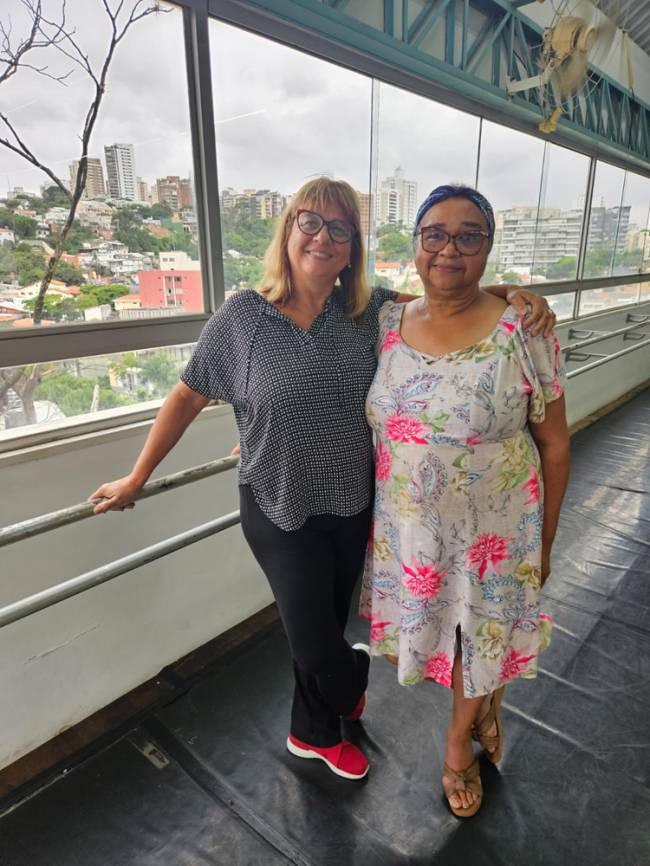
(310,223)
(434,240)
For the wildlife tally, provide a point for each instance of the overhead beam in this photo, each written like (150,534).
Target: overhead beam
(599,123)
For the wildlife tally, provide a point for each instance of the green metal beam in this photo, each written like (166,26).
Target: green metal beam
(607,120)
(426,21)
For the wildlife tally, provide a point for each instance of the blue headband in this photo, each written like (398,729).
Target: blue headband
(441,193)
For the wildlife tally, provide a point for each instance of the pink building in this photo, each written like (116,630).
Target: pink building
(171,289)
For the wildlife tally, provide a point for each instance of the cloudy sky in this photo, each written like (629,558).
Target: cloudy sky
(281,117)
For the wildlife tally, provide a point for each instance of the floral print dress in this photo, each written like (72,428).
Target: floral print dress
(457,526)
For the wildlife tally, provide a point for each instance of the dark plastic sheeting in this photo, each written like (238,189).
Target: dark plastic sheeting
(573,787)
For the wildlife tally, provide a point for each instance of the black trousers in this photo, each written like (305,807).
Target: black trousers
(312,572)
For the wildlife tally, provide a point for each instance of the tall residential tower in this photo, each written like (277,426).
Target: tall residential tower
(95,186)
(120,171)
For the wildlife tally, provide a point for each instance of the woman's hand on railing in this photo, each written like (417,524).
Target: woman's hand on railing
(236,451)
(116,495)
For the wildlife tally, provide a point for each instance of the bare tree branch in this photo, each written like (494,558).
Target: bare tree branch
(8,378)
(56,34)
(23,150)
(12,58)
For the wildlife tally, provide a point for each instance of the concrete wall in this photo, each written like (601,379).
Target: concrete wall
(62,664)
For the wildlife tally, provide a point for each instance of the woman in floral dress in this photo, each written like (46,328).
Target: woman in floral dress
(468,411)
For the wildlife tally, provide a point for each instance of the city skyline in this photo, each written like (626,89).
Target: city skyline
(312,116)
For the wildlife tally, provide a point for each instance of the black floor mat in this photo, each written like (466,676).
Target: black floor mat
(573,786)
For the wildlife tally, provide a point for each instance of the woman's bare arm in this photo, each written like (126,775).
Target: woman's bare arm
(552,440)
(176,414)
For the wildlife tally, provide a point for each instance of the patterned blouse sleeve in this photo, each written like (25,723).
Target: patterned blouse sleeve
(543,370)
(380,295)
(217,367)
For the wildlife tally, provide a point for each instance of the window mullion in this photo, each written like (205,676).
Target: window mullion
(197,51)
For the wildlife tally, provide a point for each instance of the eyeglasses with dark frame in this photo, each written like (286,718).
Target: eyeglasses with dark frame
(310,223)
(434,240)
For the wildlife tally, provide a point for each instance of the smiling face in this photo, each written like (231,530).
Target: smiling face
(316,258)
(448,271)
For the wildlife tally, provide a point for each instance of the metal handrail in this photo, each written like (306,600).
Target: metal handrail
(64,516)
(602,335)
(607,358)
(53,595)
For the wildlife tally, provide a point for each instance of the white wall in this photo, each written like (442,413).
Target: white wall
(62,664)
(590,391)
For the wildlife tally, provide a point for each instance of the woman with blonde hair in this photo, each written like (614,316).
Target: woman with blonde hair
(296,359)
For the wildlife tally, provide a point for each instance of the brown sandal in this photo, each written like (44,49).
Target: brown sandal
(463,780)
(492,743)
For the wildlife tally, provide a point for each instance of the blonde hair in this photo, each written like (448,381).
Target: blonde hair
(319,193)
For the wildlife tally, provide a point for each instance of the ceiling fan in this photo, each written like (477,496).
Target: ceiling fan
(574,41)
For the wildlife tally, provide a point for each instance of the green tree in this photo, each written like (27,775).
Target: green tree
(128,217)
(138,240)
(102,294)
(391,228)
(244,269)
(563,268)
(69,274)
(160,371)
(128,361)
(160,211)
(58,308)
(21,226)
(76,237)
(22,260)
(512,277)
(74,394)
(54,196)
(395,247)
(245,234)
(598,260)
(29,263)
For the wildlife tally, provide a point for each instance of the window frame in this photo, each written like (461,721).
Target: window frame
(60,342)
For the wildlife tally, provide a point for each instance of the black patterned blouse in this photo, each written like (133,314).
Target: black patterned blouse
(299,401)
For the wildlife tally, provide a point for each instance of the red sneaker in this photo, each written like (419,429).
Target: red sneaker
(344,759)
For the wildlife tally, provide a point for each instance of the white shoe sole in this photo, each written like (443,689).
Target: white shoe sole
(308,753)
(363,647)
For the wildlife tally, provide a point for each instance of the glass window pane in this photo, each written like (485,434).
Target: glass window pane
(47,396)
(611,296)
(561,213)
(510,173)
(603,234)
(135,225)
(406,169)
(562,305)
(644,291)
(282,117)
(633,247)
